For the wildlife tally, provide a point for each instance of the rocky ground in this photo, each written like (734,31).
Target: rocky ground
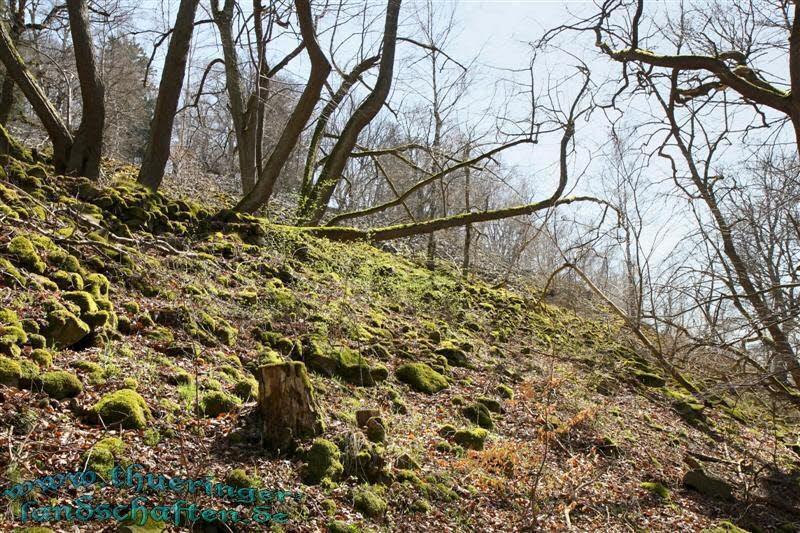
(131,325)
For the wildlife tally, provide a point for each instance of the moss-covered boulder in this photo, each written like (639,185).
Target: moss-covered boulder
(322,462)
(10,372)
(657,489)
(421,378)
(104,455)
(124,407)
(42,357)
(64,328)
(368,502)
(240,479)
(215,403)
(246,389)
(477,413)
(61,384)
(491,404)
(472,439)
(454,355)
(708,485)
(376,430)
(82,299)
(726,527)
(24,254)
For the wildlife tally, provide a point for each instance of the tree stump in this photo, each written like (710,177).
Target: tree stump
(287,405)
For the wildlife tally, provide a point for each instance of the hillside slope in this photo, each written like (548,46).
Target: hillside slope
(130,324)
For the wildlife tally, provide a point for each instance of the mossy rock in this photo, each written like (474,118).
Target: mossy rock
(724,527)
(322,462)
(42,357)
(178,376)
(215,403)
(376,430)
(25,255)
(491,404)
(36,341)
(421,378)
(340,526)
(16,332)
(649,379)
(8,346)
(130,383)
(10,372)
(124,407)
(104,455)
(239,478)
(477,413)
(472,439)
(368,502)
(29,374)
(64,328)
(656,488)
(82,299)
(246,389)
(60,384)
(454,355)
(707,485)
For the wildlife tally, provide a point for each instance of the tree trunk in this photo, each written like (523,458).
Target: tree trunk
(57,131)
(156,155)
(7,99)
(84,157)
(241,111)
(320,195)
(287,405)
(320,69)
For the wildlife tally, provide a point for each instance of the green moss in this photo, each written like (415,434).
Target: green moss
(10,274)
(473,439)
(649,379)
(421,378)
(42,357)
(82,299)
(370,504)
(238,478)
(36,341)
(19,335)
(131,307)
(24,254)
(376,430)
(215,403)
(340,526)
(322,462)
(64,328)
(104,455)
(454,355)
(477,413)
(130,383)
(246,389)
(656,488)
(10,372)
(29,373)
(98,319)
(8,346)
(67,281)
(491,404)
(61,384)
(123,407)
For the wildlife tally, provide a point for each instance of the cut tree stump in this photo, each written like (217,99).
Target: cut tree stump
(287,406)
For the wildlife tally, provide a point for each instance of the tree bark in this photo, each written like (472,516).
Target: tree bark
(320,195)
(287,405)
(60,136)
(243,112)
(156,155)
(320,69)
(87,148)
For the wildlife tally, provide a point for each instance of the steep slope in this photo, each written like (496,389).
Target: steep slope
(131,324)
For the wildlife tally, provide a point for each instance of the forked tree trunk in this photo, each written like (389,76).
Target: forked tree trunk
(287,405)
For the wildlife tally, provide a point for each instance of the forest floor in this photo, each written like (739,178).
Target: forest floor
(131,324)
